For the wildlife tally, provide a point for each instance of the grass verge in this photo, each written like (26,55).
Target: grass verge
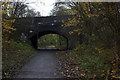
(14,56)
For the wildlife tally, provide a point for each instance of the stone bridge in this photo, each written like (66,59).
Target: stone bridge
(46,25)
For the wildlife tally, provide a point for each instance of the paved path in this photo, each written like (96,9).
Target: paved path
(43,65)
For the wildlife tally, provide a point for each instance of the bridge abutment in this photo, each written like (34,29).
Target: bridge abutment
(34,41)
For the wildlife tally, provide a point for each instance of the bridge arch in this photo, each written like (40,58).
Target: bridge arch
(35,37)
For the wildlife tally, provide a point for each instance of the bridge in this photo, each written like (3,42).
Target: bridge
(45,25)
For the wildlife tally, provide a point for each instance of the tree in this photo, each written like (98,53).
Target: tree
(7,24)
(18,8)
(21,9)
(60,9)
(32,13)
(98,22)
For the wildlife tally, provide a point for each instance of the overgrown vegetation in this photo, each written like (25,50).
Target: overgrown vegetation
(88,62)
(14,56)
(14,52)
(98,55)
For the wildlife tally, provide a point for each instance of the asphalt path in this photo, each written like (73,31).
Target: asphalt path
(43,65)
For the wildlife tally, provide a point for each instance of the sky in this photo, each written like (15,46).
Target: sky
(43,6)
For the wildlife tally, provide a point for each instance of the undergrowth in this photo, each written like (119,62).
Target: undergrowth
(89,62)
(14,55)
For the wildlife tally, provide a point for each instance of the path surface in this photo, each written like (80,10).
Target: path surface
(43,65)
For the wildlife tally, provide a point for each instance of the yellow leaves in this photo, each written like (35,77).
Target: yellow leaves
(68,75)
(99,8)
(118,77)
(72,22)
(71,32)
(86,12)
(14,29)
(82,21)
(7,25)
(62,73)
(92,15)
(94,75)
(82,74)
(108,72)
(69,19)
(5,6)
(89,15)
(76,30)
(8,3)
(79,16)
(75,11)
(78,33)
(56,40)
(62,25)
(9,31)
(113,71)
(4,12)
(102,75)
(3,3)
(114,76)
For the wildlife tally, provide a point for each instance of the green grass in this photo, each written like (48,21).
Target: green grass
(14,56)
(94,60)
(91,61)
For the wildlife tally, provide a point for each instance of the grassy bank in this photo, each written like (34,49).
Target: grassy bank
(14,55)
(89,62)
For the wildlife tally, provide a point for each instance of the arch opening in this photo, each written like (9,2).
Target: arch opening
(35,37)
(52,41)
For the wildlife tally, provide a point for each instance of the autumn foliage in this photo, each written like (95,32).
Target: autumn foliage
(14,53)
(7,24)
(98,56)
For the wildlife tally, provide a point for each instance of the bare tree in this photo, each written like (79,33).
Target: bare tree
(21,9)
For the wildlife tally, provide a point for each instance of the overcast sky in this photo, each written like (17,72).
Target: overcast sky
(43,6)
